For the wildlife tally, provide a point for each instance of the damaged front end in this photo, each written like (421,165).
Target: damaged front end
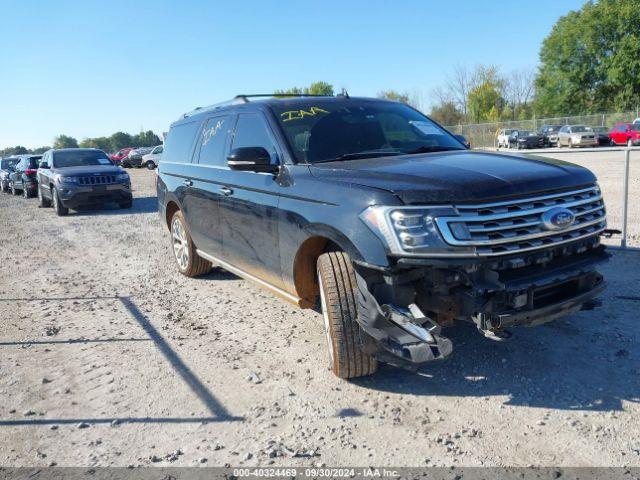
(404,309)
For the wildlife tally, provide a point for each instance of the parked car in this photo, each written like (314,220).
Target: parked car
(625,134)
(23,179)
(602,135)
(120,155)
(503,137)
(134,159)
(577,136)
(549,134)
(6,168)
(381,217)
(150,160)
(74,177)
(524,139)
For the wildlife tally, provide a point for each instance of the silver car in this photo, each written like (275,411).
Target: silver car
(577,136)
(150,160)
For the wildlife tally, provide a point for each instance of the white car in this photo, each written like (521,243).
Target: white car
(150,160)
(503,137)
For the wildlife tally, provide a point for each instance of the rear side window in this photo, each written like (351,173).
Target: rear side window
(33,162)
(179,143)
(213,140)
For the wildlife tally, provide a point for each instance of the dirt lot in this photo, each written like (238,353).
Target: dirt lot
(110,357)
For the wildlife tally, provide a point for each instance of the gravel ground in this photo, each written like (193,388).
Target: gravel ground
(110,357)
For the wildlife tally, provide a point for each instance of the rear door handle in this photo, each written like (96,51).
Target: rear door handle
(226,191)
(187,183)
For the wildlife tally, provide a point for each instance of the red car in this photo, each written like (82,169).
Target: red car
(625,134)
(120,154)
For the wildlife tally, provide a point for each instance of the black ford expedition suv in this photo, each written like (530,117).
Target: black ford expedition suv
(74,177)
(381,217)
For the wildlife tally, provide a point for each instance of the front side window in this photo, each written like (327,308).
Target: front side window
(213,140)
(342,130)
(80,158)
(252,131)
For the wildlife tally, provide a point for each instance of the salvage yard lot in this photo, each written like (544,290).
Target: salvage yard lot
(110,357)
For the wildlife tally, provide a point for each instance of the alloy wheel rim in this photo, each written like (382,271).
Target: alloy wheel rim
(180,244)
(325,317)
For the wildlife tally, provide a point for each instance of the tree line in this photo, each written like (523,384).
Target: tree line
(112,143)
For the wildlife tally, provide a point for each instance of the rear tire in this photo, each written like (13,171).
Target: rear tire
(189,262)
(338,301)
(44,202)
(60,210)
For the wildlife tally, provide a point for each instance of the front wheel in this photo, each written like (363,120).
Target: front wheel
(44,202)
(189,262)
(150,165)
(60,209)
(337,284)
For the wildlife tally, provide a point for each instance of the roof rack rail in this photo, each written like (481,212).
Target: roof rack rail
(244,98)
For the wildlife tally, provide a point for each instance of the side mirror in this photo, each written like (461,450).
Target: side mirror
(251,159)
(43,165)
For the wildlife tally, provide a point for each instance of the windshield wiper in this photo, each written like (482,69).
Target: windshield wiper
(357,155)
(432,148)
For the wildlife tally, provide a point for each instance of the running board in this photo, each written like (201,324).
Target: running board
(252,278)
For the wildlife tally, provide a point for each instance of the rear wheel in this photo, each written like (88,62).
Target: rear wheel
(189,262)
(337,283)
(44,202)
(60,209)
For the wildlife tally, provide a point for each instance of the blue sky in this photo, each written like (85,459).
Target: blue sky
(89,68)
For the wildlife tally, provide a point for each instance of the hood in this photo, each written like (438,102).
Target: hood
(89,170)
(461,176)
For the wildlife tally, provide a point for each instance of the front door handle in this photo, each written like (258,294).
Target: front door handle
(226,191)
(187,183)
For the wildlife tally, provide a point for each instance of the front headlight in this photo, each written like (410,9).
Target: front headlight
(67,180)
(576,138)
(122,177)
(411,230)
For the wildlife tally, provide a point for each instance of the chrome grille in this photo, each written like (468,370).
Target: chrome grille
(514,226)
(97,180)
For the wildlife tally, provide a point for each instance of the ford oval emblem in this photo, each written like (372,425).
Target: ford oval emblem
(558,218)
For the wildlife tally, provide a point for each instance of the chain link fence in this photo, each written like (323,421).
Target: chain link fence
(483,135)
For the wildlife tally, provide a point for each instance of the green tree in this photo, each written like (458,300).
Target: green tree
(395,96)
(590,62)
(485,101)
(316,88)
(41,149)
(145,139)
(446,114)
(17,150)
(65,141)
(121,140)
(103,143)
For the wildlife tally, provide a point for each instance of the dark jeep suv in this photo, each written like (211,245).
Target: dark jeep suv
(74,177)
(381,217)
(24,178)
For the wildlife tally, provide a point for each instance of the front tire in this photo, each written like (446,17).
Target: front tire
(60,210)
(150,165)
(338,291)
(44,202)
(189,262)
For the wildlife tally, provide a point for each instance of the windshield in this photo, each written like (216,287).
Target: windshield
(524,133)
(9,163)
(80,158)
(326,131)
(580,128)
(553,128)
